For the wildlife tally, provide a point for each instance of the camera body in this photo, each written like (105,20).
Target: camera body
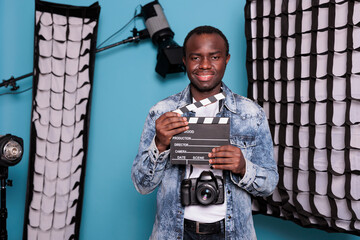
(205,190)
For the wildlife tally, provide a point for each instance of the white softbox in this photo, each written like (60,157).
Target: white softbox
(64,54)
(304,70)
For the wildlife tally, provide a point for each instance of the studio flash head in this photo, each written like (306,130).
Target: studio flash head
(11,150)
(169,57)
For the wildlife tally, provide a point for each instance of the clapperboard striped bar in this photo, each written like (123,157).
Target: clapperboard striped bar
(204,133)
(201,103)
(208,120)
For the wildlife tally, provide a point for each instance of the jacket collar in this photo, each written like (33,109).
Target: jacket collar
(184,97)
(230,103)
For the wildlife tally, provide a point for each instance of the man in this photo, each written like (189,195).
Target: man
(247,165)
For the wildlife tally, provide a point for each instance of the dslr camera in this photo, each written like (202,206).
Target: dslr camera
(205,190)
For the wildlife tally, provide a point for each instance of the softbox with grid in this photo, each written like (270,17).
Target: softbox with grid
(64,54)
(303,64)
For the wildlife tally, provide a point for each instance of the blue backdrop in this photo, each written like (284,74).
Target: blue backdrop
(125,87)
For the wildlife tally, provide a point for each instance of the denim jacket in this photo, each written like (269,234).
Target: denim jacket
(248,130)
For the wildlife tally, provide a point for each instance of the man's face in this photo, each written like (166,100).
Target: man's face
(205,63)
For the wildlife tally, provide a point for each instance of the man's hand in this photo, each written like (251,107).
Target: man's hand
(168,125)
(228,158)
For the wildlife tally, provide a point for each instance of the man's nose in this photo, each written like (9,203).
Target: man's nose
(205,63)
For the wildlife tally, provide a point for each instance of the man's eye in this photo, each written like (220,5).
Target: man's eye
(194,58)
(215,57)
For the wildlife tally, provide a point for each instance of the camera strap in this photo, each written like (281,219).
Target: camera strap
(203,173)
(184,172)
(209,174)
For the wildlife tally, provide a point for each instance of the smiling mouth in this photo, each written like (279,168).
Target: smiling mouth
(204,76)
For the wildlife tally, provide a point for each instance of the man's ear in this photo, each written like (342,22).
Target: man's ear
(184,61)
(227,58)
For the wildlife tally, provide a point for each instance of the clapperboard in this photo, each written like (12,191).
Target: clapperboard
(204,133)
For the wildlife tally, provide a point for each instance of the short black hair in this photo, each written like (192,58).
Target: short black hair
(206,30)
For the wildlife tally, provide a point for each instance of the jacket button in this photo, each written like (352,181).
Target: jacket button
(229,192)
(229,217)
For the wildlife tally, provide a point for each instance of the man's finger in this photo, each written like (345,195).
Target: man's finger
(223,167)
(171,114)
(178,130)
(170,120)
(224,154)
(175,124)
(226,148)
(168,115)
(167,123)
(221,161)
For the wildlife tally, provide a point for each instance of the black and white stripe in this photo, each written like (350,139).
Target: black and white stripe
(208,120)
(201,103)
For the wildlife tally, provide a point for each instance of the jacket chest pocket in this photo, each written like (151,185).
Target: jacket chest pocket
(246,143)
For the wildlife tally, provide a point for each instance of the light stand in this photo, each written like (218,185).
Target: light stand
(11,151)
(137,36)
(3,210)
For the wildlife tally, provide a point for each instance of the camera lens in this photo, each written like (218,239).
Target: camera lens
(206,194)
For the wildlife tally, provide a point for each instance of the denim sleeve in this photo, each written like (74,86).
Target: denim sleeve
(261,175)
(148,167)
